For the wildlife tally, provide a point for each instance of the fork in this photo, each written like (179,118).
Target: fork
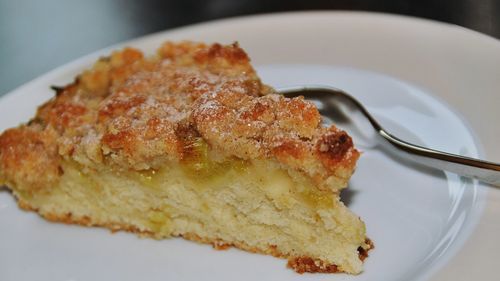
(332,100)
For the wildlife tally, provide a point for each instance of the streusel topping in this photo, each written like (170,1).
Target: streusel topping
(136,113)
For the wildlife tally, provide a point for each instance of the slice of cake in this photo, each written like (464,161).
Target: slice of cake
(190,143)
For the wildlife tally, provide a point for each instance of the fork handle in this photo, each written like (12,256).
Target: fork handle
(485,171)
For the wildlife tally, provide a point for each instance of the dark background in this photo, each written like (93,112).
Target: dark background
(36,36)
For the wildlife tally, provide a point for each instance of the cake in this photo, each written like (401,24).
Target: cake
(190,143)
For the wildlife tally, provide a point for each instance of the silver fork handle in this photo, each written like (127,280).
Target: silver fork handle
(482,170)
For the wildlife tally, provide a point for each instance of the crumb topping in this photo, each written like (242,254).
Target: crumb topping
(133,112)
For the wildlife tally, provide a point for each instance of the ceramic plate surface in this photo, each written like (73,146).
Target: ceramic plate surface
(417,218)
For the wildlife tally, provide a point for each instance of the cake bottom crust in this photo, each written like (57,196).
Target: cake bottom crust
(302,264)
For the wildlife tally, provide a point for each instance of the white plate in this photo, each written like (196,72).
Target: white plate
(418,219)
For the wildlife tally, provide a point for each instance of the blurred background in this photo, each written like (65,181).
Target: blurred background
(37,36)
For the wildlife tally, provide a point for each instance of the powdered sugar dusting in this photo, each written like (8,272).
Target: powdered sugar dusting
(150,107)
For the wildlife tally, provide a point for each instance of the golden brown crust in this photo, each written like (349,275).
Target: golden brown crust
(305,264)
(363,252)
(308,264)
(132,112)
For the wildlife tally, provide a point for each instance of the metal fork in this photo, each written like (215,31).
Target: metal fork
(333,101)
